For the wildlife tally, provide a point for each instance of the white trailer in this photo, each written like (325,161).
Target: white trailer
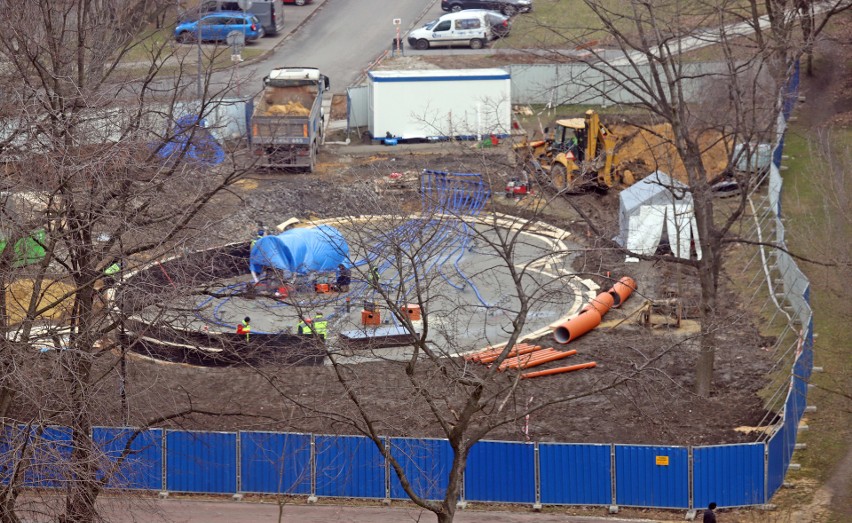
(439,104)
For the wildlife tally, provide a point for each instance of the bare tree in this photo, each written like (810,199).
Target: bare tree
(102,176)
(735,105)
(433,309)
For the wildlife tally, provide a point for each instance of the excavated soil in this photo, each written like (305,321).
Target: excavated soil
(654,406)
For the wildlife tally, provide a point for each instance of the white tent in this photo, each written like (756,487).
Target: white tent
(654,206)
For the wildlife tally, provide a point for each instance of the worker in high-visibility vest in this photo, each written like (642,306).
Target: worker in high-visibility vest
(244,327)
(375,278)
(320,326)
(305,327)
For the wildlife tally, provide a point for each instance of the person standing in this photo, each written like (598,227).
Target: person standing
(375,278)
(709,515)
(245,327)
(344,278)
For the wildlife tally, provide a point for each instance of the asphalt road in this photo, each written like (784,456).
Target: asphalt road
(344,36)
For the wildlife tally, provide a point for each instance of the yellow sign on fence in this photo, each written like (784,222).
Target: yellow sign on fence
(663,461)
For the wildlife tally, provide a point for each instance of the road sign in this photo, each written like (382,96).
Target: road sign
(245,5)
(236,39)
(397,21)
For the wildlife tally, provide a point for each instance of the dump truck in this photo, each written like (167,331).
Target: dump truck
(578,154)
(286,121)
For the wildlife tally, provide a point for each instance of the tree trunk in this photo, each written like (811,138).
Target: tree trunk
(447,517)
(707,341)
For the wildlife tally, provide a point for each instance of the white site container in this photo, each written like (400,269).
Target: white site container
(457,103)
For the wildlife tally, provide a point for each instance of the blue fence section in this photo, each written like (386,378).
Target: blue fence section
(575,474)
(426,464)
(349,467)
(652,476)
(500,471)
(729,475)
(778,460)
(47,450)
(275,463)
(131,459)
(201,462)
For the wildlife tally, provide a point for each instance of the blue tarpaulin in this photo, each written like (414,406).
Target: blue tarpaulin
(320,248)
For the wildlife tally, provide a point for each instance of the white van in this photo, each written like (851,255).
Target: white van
(460,28)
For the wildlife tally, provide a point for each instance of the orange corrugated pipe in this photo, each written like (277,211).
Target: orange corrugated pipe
(558,370)
(577,326)
(601,303)
(622,290)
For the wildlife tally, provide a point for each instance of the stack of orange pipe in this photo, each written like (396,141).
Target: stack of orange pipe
(558,370)
(516,351)
(534,360)
(494,353)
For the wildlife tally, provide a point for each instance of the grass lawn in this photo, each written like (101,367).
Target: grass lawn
(817,227)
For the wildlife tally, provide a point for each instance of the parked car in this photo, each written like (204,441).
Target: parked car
(500,24)
(462,28)
(216,26)
(507,7)
(297,2)
(270,13)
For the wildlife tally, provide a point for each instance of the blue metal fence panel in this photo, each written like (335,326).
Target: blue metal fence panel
(349,466)
(275,463)
(729,475)
(500,471)
(142,467)
(426,463)
(776,158)
(201,462)
(47,453)
(795,405)
(777,463)
(575,474)
(652,476)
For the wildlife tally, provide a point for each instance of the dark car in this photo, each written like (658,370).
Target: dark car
(507,7)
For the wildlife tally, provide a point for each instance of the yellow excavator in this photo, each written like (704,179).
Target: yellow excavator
(579,154)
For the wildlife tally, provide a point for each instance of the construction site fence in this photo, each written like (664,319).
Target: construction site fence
(293,464)
(786,293)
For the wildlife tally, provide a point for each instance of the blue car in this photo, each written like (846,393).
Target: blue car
(216,26)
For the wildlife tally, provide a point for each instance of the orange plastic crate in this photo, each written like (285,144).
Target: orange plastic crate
(371,318)
(413,312)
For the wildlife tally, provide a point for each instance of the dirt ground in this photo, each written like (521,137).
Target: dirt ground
(656,407)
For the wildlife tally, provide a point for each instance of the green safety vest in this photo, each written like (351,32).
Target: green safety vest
(320,327)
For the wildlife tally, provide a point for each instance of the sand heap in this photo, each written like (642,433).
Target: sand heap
(645,150)
(52,293)
(288,109)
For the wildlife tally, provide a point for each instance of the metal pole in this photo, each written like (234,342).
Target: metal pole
(198,68)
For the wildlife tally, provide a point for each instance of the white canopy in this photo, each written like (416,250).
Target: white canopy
(654,205)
